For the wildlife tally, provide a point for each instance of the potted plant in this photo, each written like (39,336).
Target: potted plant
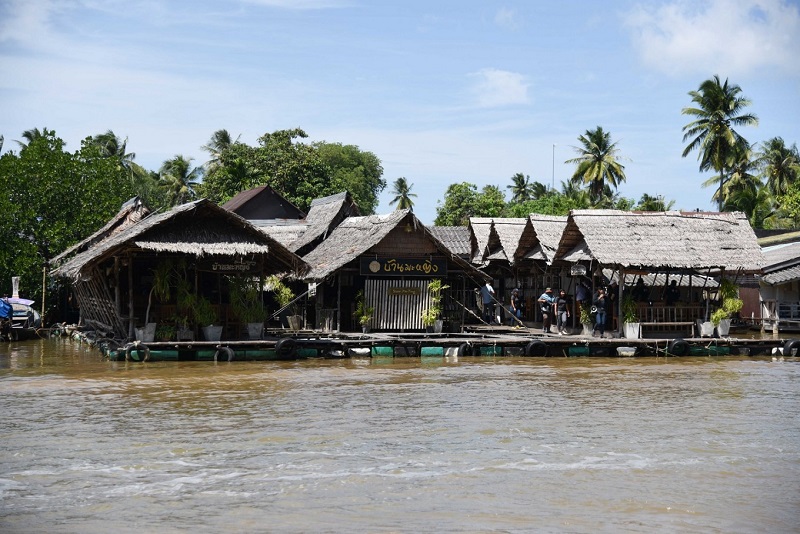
(285,298)
(247,305)
(731,304)
(205,316)
(431,317)
(630,318)
(363,313)
(161,290)
(165,332)
(586,320)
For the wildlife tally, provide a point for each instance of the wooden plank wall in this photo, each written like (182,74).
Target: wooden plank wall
(397,311)
(97,303)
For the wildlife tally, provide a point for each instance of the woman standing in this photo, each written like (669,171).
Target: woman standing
(562,312)
(600,302)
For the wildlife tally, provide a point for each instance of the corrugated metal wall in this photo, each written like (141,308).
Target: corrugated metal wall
(398,303)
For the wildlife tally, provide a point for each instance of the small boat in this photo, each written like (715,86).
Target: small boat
(18,320)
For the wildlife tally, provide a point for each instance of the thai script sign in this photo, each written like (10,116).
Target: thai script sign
(229,265)
(403,267)
(404,291)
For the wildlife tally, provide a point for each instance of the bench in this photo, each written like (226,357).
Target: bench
(669,325)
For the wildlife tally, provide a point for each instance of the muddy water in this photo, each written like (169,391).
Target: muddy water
(511,445)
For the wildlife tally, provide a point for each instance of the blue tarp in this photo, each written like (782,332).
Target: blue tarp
(5,309)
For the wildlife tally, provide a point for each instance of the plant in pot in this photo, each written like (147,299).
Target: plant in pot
(285,298)
(165,332)
(162,276)
(731,304)
(363,313)
(247,305)
(431,317)
(586,319)
(205,316)
(630,318)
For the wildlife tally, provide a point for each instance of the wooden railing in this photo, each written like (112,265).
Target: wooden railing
(659,313)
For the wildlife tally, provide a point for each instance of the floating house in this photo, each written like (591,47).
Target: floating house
(390,259)
(780,287)
(112,272)
(675,244)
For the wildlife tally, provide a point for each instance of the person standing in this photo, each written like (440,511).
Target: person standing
(487,297)
(562,312)
(514,307)
(546,303)
(600,302)
(673,293)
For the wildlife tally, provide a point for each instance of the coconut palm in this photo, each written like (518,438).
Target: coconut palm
(598,164)
(220,141)
(401,190)
(32,135)
(718,110)
(112,146)
(521,188)
(539,190)
(178,179)
(781,165)
(576,194)
(653,203)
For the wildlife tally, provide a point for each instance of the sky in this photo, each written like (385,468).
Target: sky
(441,91)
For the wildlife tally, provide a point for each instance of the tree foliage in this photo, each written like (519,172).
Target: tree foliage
(598,163)
(53,199)
(401,190)
(463,200)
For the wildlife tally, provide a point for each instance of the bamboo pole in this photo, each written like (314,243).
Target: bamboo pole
(44,289)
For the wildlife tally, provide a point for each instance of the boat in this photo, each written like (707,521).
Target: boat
(18,319)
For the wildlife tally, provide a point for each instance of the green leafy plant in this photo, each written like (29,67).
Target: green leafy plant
(283,293)
(731,303)
(246,299)
(629,312)
(586,314)
(434,311)
(165,332)
(203,311)
(363,313)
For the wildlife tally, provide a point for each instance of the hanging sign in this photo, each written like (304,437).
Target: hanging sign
(577,270)
(403,267)
(227,265)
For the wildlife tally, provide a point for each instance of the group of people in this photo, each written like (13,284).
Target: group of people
(554,305)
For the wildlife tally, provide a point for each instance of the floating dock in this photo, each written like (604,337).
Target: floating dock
(491,343)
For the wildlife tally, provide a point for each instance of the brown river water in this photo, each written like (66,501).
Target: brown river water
(478,445)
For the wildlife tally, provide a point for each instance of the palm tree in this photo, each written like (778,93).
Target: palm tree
(539,190)
(401,190)
(598,164)
(576,194)
(220,141)
(651,203)
(719,109)
(32,135)
(521,188)
(178,179)
(112,146)
(781,165)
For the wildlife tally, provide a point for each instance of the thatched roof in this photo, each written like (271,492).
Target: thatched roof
(517,237)
(485,241)
(131,212)
(198,229)
(455,238)
(356,235)
(782,264)
(661,240)
(549,229)
(663,279)
(323,216)
(284,231)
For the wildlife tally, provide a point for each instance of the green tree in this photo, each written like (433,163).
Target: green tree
(521,188)
(598,163)
(357,171)
(32,135)
(491,202)
(401,190)
(220,141)
(718,110)
(553,204)
(178,179)
(780,165)
(653,203)
(52,200)
(458,206)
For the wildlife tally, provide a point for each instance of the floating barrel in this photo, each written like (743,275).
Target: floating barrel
(382,351)
(431,351)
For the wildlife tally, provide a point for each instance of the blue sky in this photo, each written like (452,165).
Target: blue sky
(441,91)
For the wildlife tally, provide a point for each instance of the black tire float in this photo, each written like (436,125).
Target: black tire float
(464,350)
(536,348)
(285,347)
(137,346)
(225,350)
(678,347)
(791,345)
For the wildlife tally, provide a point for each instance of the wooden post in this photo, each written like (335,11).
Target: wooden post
(44,289)
(131,319)
(339,302)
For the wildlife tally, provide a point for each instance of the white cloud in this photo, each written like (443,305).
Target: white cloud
(506,18)
(729,37)
(497,88)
